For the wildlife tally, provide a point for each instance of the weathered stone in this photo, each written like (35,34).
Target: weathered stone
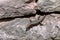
(49,5)
(15,28)
(14,8)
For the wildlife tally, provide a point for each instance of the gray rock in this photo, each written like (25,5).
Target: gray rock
(13,8)
(15,28)
(49,5)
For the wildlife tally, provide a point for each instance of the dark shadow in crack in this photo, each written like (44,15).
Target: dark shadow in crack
(47,13)
(12,18)
(28,16)
(6,19)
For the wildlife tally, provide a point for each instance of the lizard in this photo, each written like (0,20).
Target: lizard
(31,4)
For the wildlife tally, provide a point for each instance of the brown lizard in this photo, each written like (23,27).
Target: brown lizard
(32,24)
(31,4)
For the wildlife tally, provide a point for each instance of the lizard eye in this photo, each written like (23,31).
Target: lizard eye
(31,1)
(36,0)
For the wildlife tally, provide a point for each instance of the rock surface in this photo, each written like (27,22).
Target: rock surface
(13,8)
(35,23)
(49,5)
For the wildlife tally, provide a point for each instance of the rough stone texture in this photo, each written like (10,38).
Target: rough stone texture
(15,29)
(49,5)
(13,8)
(35,23)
